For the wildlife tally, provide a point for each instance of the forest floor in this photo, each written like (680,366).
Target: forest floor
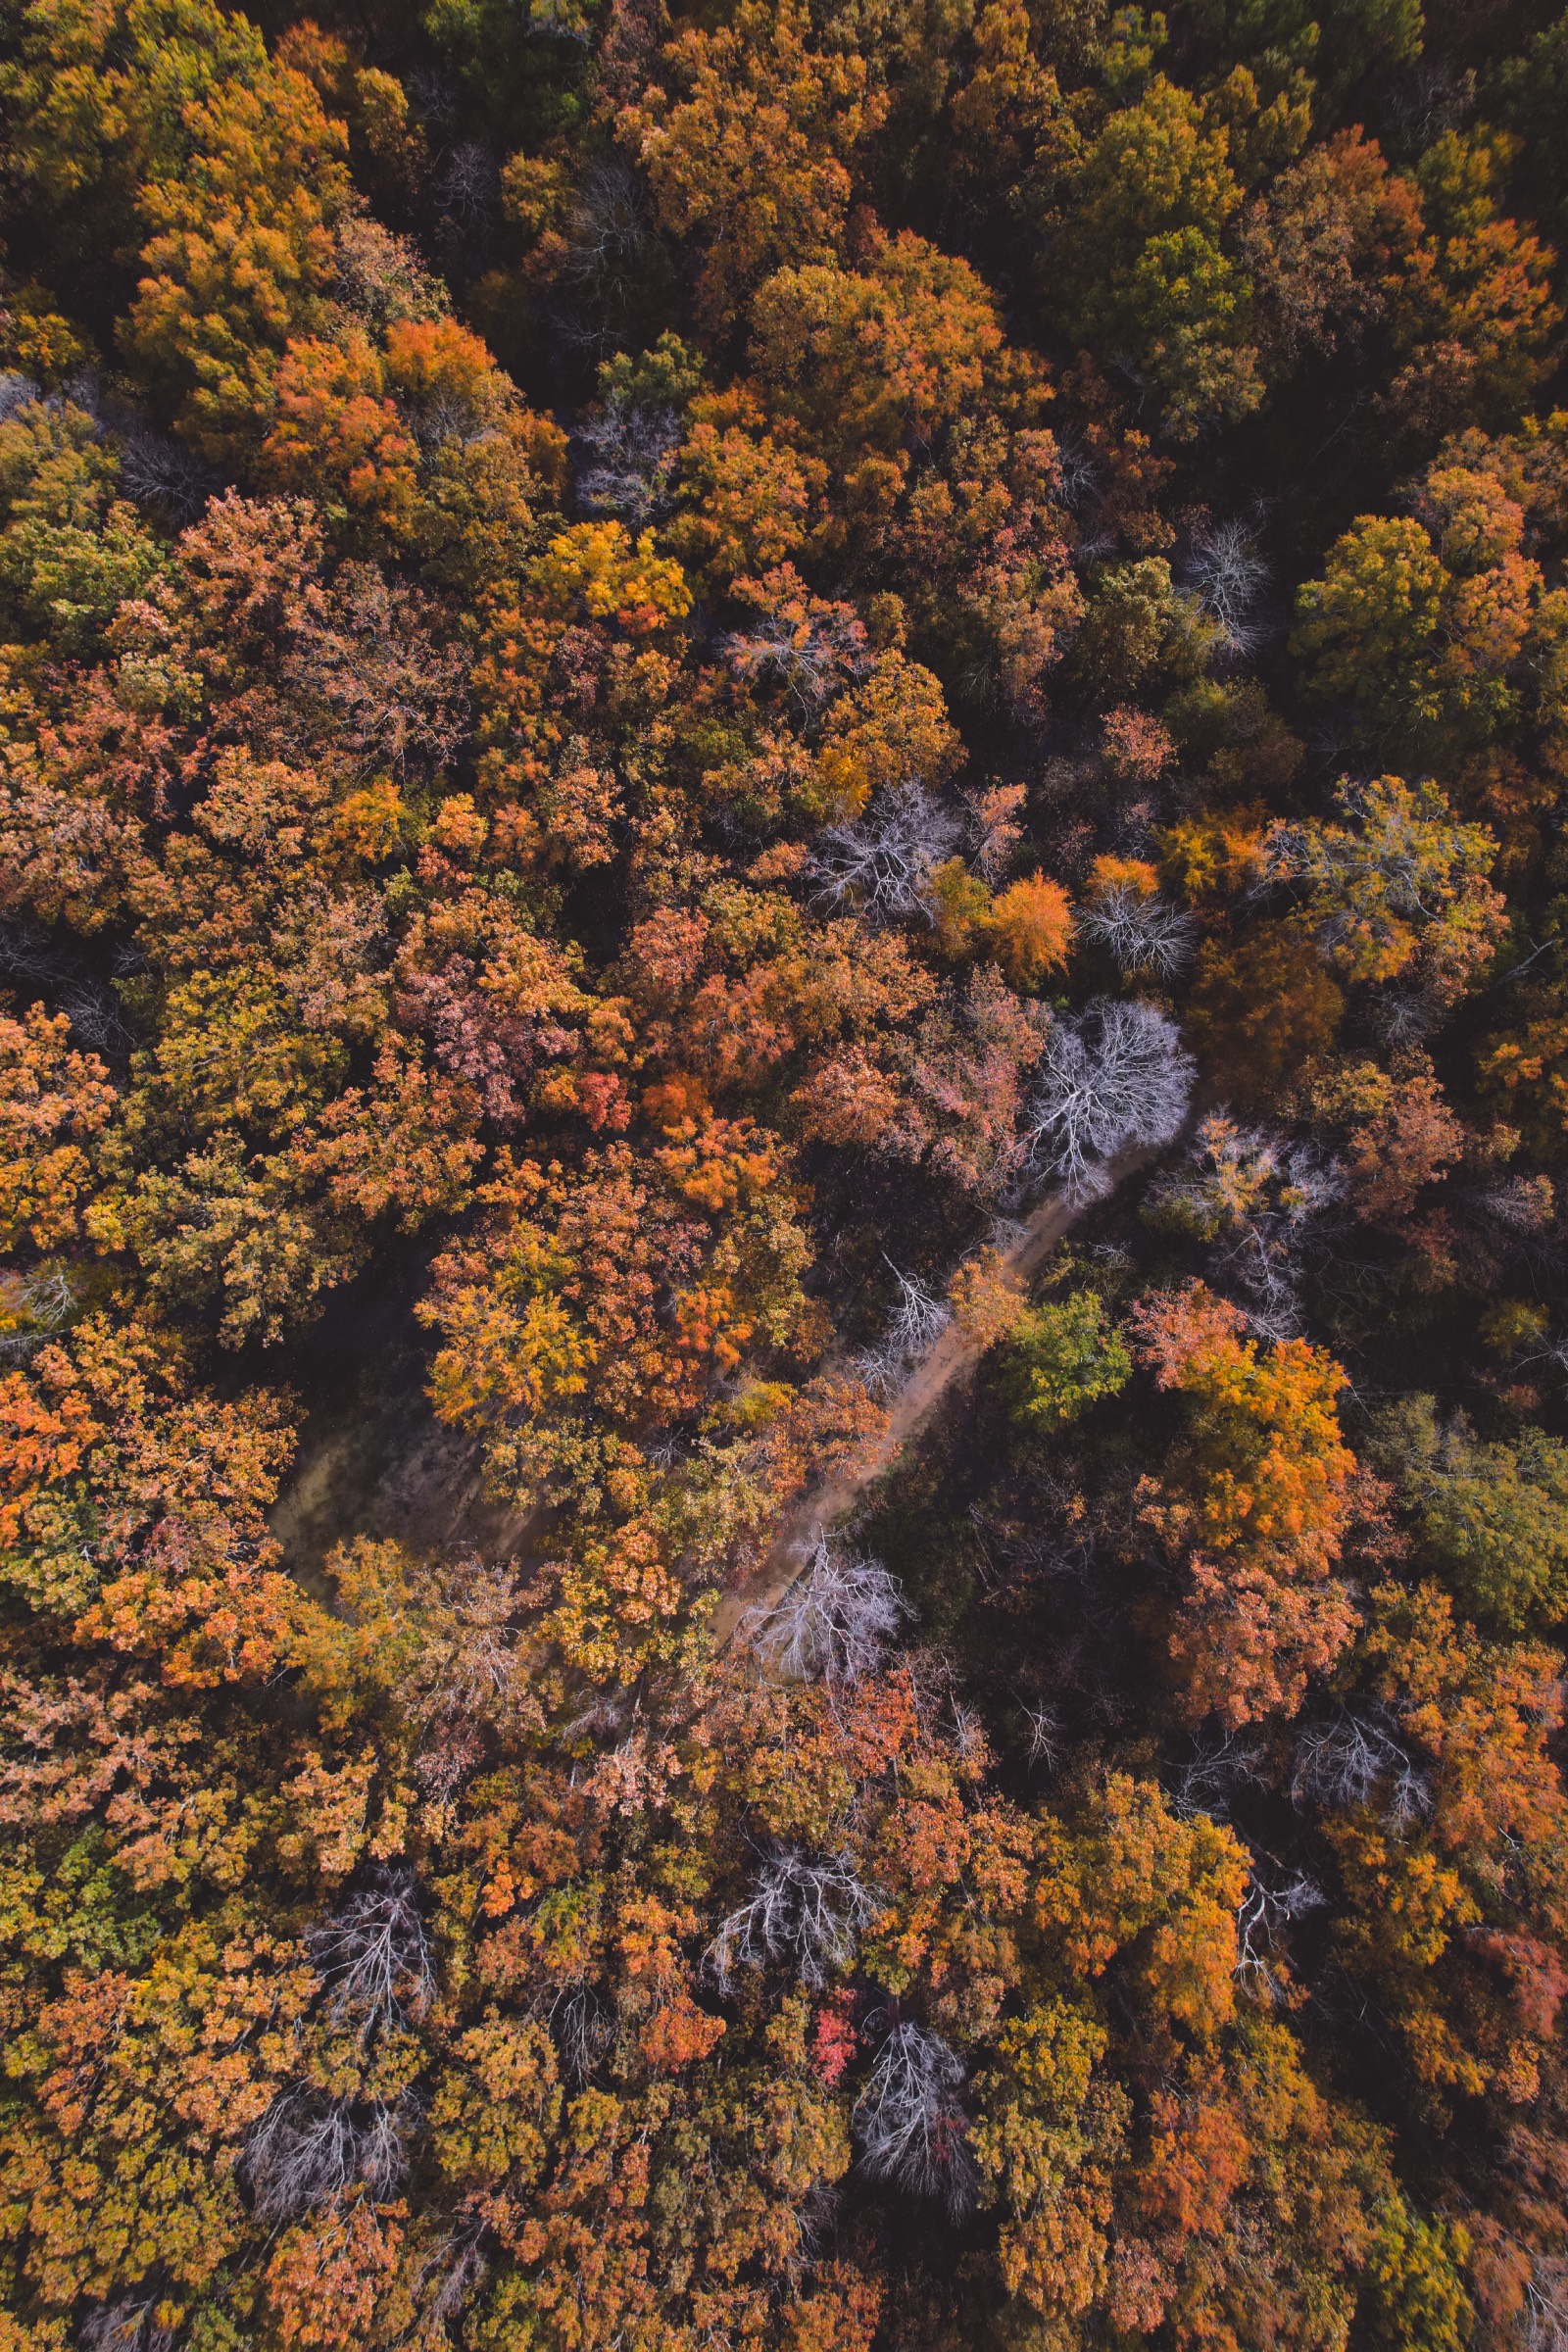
(953,1353)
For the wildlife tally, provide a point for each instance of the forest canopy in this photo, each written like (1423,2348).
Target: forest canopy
(783,1114)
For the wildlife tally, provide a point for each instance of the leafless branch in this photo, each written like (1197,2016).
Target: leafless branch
(835,1623)
(911,2121)
(1115,1076)
(807,1914)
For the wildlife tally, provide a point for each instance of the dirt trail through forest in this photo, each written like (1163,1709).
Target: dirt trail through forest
(951,1354)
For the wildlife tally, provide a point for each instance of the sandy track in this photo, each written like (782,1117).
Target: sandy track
(950,1355)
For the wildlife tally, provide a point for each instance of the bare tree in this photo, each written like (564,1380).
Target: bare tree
(1046,1742)
(919,1320)
(883,862)
(1206,1780)
(308,2149)
(807,1914)
(1544,2320)
(126,2324)
(379,276)
(634,448)
(582,2029)
(835,1623)
(1353,1761)
(612,258)
(368,665)
(1265,1913)
(1259,1201)
(157,471)
(42,1301)
(1115,1076)
(17,392)
(1143,931)
(813,651)
(469,184)
(374,1957)
(455,2268)
(471,1671)
(910,2120)
(1229,577)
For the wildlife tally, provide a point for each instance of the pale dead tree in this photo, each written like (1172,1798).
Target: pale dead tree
(582,2029)
(917,1321)
(126,2324)
(469,184)
(911,2120)
(379,276)
(1206,1782)
(454,2269)
(1520,1205)
(1077,473)
(1355,1761)
(1544,2319)
(882,865)
(156,470)
(994,827)
(920,1319)
(44,1301)
(1264,1914)
(1046,1742)
(308,2149)
(471,1671)
(835,1623)
(373,1957)
(812,652)
(393,693)
(1116,1076)
(1229,578)
(815,2221)
(1263,1257)
(605,1714)
(611,256)
(1258,1202)
(633,473)
(803,1914)
(1142,931)
(17,392)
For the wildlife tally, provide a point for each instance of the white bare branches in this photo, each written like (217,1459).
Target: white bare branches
(1210,1776)
(812,651)
(1258,1200)
(1047,1742)
(1115,1076)
(634,449)
(835,1623)
(1141,930)
(373,1957)
(1354,1762)
(1265,1913)
(808,1915)
(469,183)
(308,2149)
(911,2121)
(1229,577)
(127,2323)
(883,863)
(917,1322)
(582,2029)
(918,1319)
(159,471)
(1544,2320)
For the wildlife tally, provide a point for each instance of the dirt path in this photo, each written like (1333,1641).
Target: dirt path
(950,1355)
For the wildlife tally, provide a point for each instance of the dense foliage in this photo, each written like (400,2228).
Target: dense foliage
(671,686)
